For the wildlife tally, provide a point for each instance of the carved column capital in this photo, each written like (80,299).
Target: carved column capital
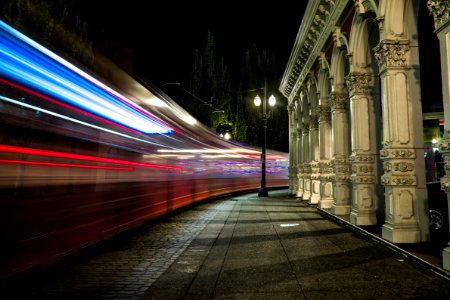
(305,128)
(324,113)
(338,101)
(359,82)
(313,121)
(391,53)
(440,9)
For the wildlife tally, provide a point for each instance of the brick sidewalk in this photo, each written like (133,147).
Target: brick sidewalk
(241,247)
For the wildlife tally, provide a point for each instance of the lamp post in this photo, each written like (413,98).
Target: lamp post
(263,191)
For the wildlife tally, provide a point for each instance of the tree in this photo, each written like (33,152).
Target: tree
(230,93)
(210,81)
(54,24)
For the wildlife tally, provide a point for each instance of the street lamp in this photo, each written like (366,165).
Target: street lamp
(263,191)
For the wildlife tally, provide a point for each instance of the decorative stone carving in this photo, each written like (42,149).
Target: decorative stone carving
(447,164)
(359,82)
(445,184)
(391,53)
(341,178)
(339,161)
(325,167)
(444,145)
(305,128)
(313,121)
(359,8)
(362,179)
(440,9)
(290,108)
(319,21)
(338,101)
(363,169)
(337,36)
(398,167)
(361,158)
(324,11)
(396,153)
(389,179)
(403,167)
(342,169)
(363,8)
(315,31)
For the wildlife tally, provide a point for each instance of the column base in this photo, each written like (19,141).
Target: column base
(446,258)
(362,219)
(315,198)
(405,234)
(306,196)
(325,203)
(340,210)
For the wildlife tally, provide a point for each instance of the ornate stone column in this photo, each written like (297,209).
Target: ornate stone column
(306,166)
(314,157)
(341,168)
(440,9)
(299,161)
(326,185)
(406,219)
(299,125)
(363,159)
(292,151)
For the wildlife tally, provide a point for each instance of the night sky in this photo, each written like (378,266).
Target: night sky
(164,37)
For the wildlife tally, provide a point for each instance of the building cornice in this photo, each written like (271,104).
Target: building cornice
(317,25)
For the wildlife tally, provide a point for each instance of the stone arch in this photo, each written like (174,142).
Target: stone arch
(359,48)
(305,105)
(312,92)
(399,19)
(338,69)
(324,84)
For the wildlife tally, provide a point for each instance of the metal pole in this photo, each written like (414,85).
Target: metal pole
(263,191)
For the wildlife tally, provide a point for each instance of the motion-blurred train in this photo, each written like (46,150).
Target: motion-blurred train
(83,157)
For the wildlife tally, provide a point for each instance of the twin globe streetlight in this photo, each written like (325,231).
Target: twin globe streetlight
(263,191)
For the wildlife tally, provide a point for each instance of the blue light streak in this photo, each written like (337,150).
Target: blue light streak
(26,62)
(51,113)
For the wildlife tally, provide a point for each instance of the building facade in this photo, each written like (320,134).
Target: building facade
(362,77)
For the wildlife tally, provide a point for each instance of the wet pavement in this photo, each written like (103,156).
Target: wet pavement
(240,247)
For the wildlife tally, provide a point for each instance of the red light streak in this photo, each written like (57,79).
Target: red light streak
(52,164)
(50,153)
